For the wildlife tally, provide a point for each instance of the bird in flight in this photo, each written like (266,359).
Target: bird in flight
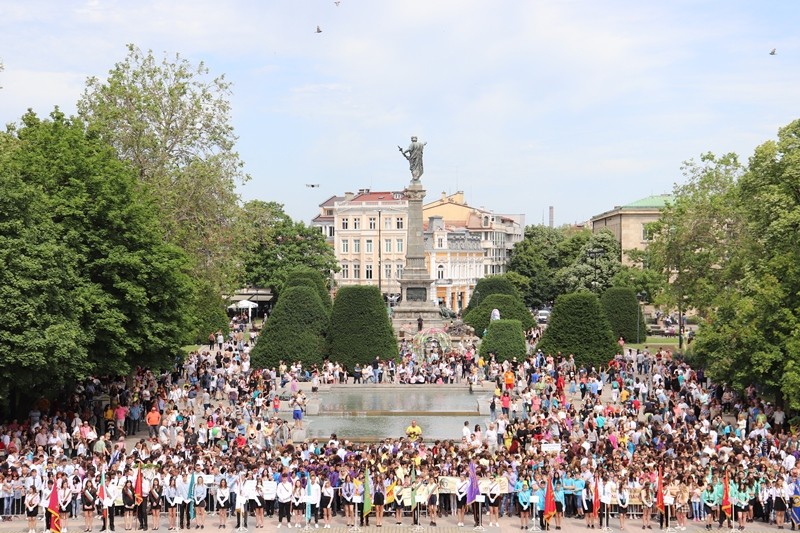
(319,30)
(773,52)
(337,2)
(312,185)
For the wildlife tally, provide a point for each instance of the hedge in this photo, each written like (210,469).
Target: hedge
(294,332)
(504,338)
(360,327)
(579,326)
(511,307)
(487,286)
(312,278)
(623,310)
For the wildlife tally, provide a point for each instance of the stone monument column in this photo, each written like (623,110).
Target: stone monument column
(416,281)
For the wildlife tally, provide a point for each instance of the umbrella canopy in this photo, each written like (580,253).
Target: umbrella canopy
(246,304)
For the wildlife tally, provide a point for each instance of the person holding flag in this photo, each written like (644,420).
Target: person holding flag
(473,493)
(726,506)
(53,511)
(794,511)
(106,495)
(549,502)
(366,507)
(360,497)
(141,504)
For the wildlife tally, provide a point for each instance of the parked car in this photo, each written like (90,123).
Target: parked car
(542,316)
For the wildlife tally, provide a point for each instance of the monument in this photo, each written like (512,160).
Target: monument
(417,309)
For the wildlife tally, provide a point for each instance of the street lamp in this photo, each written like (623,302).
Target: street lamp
(593,254)
(640,297)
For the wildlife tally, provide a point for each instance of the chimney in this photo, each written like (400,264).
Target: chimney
(552,216)
(444,196)
(348,196)
(435,223)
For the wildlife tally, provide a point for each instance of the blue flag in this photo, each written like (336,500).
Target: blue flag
(794,504)
(308,501)
(191,497)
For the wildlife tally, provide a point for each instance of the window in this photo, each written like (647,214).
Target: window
(399,271)
(330,231)
(368,246)
(387,245)
(399,222)
(647,232)
(356,271)
(345,246)
(345,223)
(440,242)
(387,271)
(356,223)
(329,212)
(399,245)
(387,223)
(440,272)
(372,224)
(356,246)
(345,271)
(368,271)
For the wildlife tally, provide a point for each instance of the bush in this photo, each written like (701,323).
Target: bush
(510,307)
(312,278)
(490,285)
(504,338)
(623,310)
(294,332)
(360,328)
(579,326)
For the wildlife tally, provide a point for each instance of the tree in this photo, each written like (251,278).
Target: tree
(510,307)
(594,266)
(360,329)
(505,338)
(295,331)
(310,278)
(276,245)
(537,258)
(95,289)
(624,314)
(490,285)
(752,331)
(172,123)
(579,326)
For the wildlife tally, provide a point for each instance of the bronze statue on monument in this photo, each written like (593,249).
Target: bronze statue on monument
(414,156)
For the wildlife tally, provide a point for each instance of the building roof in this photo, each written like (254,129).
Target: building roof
(332,200)
(378,196)
(658,201)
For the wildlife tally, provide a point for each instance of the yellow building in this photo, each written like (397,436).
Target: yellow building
(454,258)
(629,222)
(498,233)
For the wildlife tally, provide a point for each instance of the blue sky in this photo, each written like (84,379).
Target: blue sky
(582,105)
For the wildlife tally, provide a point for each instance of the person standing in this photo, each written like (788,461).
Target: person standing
(284,496)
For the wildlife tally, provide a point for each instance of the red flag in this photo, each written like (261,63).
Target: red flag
(137,487)
(726,497)
(660,492)
(101,495)
(549,501)
(52,508)
(596,497)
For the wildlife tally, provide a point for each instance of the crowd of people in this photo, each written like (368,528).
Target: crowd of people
(207,445)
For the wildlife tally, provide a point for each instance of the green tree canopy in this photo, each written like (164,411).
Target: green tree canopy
(624,314)
(594,266)
(90,285)
(579,326)
(490,285)
(506,339)
(360,329)
(295,331)
(275,245)
(171,121)
(537,257)
(510,307)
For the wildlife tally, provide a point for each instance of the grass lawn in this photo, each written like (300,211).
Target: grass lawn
(655,342)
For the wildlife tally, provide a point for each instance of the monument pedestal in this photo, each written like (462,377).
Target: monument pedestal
(415,283)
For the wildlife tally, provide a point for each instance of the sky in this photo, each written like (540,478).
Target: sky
(578,104)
